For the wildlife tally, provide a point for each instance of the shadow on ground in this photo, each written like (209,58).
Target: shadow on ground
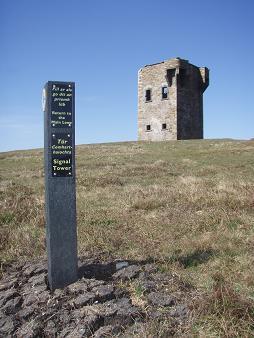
(195,258)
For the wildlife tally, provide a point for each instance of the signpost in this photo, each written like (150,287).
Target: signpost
(60,186)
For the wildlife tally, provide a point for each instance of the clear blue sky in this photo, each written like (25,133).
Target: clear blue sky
(101,44)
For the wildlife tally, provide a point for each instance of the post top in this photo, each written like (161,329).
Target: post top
(61,82)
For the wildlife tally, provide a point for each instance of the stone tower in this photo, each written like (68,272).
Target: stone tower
(170,100)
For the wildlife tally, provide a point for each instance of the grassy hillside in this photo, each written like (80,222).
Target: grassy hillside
(188,205)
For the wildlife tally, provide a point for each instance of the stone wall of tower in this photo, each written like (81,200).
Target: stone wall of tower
(158,110)
(182,111)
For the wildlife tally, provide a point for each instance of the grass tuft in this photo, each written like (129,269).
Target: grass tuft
(225,312)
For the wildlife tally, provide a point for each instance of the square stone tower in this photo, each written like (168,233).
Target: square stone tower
(170,100)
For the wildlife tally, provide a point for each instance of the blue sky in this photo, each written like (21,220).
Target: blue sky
(101,44)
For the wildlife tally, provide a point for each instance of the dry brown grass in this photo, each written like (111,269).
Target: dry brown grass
(186,204)
(224,312)
(21,223)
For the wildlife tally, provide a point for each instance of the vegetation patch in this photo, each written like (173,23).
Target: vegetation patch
(187,206)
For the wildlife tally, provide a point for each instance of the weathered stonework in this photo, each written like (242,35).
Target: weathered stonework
(179,114)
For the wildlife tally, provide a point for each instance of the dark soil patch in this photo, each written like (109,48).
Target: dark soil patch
(99,304)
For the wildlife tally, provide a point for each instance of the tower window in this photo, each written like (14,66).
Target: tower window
(164,126)
(148,127)
(170,74)
(164,92)
(182,77)
(148,95)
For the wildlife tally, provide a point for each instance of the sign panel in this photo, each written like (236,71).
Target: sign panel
(61,105)
(61,154)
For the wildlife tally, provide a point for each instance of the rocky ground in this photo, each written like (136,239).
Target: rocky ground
(116,298)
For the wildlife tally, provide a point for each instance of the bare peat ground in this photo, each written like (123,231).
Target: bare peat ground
(100,304)
(181,213)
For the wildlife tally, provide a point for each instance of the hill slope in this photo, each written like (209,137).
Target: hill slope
(186,205)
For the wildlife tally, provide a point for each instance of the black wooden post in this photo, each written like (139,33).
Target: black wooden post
(60,186)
